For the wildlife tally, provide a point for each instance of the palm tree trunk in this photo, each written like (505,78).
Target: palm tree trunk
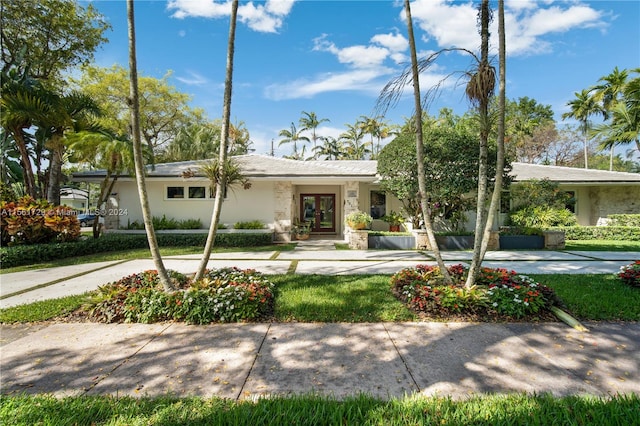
(497,188)
(483,111)
(226,114)
(56,148)
(29,180)
(422,185)
(137,154)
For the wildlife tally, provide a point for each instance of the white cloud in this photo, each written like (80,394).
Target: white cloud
(357,80)
(453,24)
(264,17)
(393,42)
(193,79)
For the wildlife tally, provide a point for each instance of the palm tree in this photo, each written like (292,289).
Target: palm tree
(417,122)
(581,108)
(331,149)
(373,127)
(479,91)
(608,93)
(221,175)
(22,102)
(137,153)
(351,139)
(622,110)
(310,122)
(70,112)
(197,141)
(500,160)
(293,135)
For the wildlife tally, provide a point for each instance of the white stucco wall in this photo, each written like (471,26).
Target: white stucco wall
(256,203)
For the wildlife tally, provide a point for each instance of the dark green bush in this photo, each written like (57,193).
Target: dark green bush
(624,220)
(253,224)
(623,233)
(26,255)
(164,223)
(542,217)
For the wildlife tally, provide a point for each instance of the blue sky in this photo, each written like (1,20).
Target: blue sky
(334,57)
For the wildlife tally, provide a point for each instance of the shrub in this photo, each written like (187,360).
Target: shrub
(542,217)
(624,220)
(497,291)
(164,223)
(630,274)
(29,221)
(224,295)
(253,224)
(623,233)
(26,255)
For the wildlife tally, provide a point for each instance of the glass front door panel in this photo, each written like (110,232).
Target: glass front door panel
(319,211)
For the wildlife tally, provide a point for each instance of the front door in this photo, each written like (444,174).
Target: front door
(319,210)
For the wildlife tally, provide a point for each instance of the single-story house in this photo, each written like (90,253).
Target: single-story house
(285,191)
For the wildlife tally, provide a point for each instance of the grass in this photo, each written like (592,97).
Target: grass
(515,409)
(323,298)
(367,298)
(602,245)
(595,297)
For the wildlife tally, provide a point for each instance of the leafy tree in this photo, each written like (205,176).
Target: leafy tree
(52,35)
(164,110)
(221,177)
(137,154)
(527,128)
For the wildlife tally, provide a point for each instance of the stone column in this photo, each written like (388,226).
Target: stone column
(351,204)
(554,240)
(358,240)
(283,194)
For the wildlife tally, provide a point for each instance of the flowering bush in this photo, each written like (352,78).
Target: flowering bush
(497,290)
(630,274)
(224,295)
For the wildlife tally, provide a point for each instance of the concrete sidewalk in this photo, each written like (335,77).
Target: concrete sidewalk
(245,361)
(41,284)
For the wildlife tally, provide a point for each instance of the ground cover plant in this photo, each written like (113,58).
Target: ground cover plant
(630,274)
(499,294)
(517,409)
(223,295)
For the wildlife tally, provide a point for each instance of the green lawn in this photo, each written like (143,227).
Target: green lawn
(317,410)
(602,245)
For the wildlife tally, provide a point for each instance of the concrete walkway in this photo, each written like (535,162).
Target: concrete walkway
(245,361)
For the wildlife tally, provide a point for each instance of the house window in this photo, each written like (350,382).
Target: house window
(175,192)
(378,201)
(197,192)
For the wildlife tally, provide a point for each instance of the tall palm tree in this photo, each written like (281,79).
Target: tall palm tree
(310,122)
(417,123)
(608,92)
(137,153)
(292,135)
(352,142)
(500,160)
(373,127)
(221,181)
(331,149)
(581,108)
(479,91)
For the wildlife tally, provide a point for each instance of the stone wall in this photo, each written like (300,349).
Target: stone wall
(283,195)
(613,200)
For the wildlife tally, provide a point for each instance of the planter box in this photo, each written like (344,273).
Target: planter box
(455,242)
(521,242)
(388,242)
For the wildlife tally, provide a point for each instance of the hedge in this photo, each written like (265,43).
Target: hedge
(624,233)
(624,220)
(30,254)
